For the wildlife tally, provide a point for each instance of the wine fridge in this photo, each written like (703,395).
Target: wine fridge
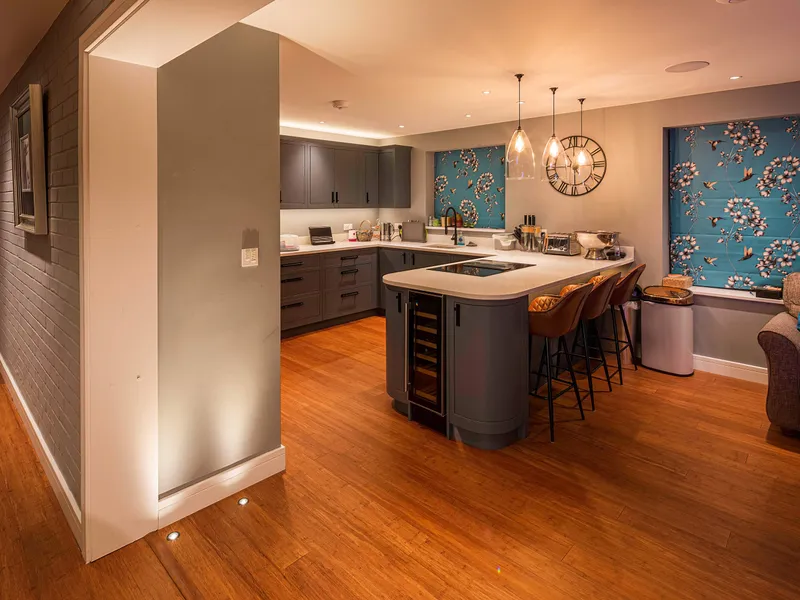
(426,360)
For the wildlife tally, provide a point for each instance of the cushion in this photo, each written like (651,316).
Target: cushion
(791,293)
(543,303)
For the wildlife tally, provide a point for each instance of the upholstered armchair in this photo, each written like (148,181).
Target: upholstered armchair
(780,340)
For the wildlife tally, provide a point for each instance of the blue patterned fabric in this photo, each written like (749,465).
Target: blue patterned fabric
(734,206)
(473,181)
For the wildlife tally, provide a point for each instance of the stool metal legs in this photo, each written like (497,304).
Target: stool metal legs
(547,364)
(620,346)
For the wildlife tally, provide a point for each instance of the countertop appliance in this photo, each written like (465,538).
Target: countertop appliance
(597,243)
(564,244)
(413,231)
(482,268)
(320,236)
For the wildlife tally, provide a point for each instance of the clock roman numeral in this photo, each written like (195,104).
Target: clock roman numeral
(562,187)
(596,150)
(574,190)
(600,163)
(573,141)
(596,178)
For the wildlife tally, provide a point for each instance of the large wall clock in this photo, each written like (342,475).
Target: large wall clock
(568,176)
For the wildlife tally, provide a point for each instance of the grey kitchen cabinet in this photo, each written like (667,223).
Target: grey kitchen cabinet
(349,178)
(394,176)
(321,176)
(487,357)
(434,259)
(371,179)
(294,174)
(397,344)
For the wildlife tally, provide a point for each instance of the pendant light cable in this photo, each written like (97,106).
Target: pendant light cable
(553,89)
(581,100)
(519,100)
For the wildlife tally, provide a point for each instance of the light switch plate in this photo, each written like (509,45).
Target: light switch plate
(347,226)
(249,257)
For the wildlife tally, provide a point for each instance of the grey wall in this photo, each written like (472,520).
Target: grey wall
(39,285)
(218,183)
(631,198)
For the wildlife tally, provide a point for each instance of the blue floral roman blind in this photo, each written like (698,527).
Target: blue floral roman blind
(473,181)
(734,206)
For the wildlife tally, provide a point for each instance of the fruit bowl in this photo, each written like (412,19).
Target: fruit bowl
(595,242)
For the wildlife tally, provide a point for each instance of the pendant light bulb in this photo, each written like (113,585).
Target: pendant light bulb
(553,148)
(583,157)
(520,163)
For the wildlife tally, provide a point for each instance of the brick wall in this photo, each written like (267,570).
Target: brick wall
(39,285)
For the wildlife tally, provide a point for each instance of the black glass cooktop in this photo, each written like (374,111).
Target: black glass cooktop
(482,268)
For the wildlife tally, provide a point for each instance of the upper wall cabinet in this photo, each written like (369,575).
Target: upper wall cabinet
(318,174)
(395,177)
(294,182)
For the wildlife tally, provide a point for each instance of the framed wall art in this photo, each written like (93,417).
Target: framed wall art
(27,161)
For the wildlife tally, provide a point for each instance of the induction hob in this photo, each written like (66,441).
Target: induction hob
(482,268)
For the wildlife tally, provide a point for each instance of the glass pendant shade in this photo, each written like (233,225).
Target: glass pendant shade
(553,148)
(520,163)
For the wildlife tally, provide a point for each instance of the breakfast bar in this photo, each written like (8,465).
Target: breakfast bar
(457,356)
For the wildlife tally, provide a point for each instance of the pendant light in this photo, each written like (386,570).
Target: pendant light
(520,163)
(584,158)
(553,147)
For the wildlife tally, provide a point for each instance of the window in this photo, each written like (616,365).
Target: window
(734,207)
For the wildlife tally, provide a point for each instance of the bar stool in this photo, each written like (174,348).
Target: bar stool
(554,317)
(619,297)
(596,305)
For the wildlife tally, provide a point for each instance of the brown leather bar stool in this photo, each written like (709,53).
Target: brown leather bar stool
(554,317)
(622,293)
(596,305)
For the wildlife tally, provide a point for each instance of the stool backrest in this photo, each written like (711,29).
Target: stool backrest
(624,290)
(563,317)
(597,302)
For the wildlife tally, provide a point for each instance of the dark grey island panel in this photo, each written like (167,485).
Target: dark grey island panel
(487,371)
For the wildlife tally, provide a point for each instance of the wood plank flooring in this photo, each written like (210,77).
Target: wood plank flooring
(673,488)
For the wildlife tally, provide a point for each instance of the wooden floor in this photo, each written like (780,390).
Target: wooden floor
(673,488)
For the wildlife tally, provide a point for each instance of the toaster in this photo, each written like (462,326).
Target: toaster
(414,231)
(565,244)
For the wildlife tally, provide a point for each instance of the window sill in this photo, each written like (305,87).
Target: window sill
(731,294)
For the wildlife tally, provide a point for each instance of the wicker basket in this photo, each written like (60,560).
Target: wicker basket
(677,281)
(364,234)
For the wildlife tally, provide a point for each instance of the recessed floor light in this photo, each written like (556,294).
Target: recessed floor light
(243,501)
(468,116)
(173,535)
(735,77)
(487,92)
(685,67)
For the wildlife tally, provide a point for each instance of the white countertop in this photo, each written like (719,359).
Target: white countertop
(549,270)
(468,251)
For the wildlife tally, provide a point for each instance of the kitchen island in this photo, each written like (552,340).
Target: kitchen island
(457,340)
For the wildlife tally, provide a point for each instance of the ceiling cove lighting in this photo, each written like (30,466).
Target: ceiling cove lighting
(520,163)
(553,147)
(243,501)
(686,67)
(173,535)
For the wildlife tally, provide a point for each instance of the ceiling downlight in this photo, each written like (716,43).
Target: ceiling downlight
(686,67)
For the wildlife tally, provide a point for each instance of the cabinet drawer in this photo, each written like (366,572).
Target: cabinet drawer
(296,283)
(350,259)
(338,278)
(304,262)
(300,310)
(344,302)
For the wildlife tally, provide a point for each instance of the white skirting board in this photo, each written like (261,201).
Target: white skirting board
(205,493)
(729,368)
(65,498)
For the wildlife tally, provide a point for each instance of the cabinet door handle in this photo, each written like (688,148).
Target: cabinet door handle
(333,197)
(348,294)
(350,272)
(292,279)
(404,258)
(349,257)
(406,374)
(458,315)
(414,259)
(295,305)
(280,195)
(293,264)
(367,197)
(399,303)
(337,197)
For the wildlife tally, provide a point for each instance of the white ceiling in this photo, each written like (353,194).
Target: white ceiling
(425,63)
(21,28)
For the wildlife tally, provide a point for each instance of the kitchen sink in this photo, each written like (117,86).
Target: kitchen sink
(447,246)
